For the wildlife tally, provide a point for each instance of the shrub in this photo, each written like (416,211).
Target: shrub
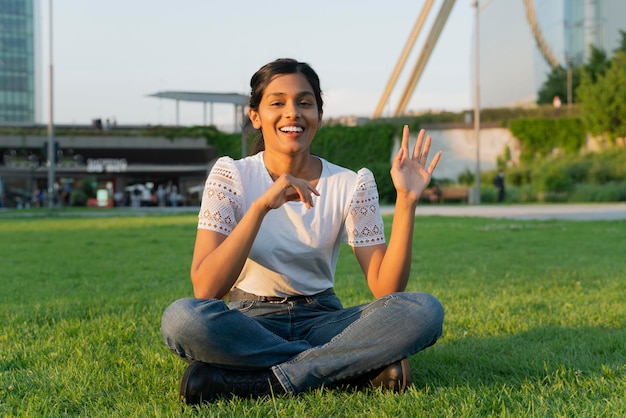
(78,198)
(539,137)
(551,177)
(489,195)
(466,177)
(612,192)
(521,194)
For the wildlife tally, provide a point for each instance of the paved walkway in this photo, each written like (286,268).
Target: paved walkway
(579,212)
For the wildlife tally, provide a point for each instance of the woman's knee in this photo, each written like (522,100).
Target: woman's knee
(175,316)
(426,310)
(185,314)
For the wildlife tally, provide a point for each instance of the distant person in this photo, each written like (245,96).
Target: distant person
(161,196)
(556,103)
(269,231)
(498,182)
(174,196)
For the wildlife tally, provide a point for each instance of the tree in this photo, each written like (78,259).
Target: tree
(555,85)
(622,44)
(603,102)
(598,63)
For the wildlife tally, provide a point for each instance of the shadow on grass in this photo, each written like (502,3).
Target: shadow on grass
(538,355)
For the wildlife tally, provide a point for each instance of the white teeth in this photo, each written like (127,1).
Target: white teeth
(291,129)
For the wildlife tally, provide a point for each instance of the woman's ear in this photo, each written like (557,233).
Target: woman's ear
(254,118)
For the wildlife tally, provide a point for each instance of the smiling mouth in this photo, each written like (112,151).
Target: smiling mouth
(292,129)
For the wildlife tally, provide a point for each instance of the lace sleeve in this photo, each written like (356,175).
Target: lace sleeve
(364,223)
(222,200)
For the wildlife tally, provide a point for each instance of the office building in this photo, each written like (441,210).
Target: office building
(513,66)
(18,64)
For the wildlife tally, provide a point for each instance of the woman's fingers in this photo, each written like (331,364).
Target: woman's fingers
(417,151)
(302,190)
(434,162)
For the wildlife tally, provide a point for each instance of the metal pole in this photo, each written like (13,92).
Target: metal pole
(51,145)
(477,105)
(569,84)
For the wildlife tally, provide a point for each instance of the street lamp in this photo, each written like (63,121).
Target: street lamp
(51,147)
(477,103)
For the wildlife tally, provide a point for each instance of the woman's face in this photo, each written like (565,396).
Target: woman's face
(288,115)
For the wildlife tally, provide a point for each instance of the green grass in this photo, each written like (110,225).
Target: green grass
(535,321)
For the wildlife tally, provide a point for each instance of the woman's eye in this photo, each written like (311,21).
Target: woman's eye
(306,104)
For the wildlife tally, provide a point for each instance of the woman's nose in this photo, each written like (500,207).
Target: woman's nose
(291,109)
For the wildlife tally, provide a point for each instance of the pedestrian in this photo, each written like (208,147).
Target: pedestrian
(174,196)
(498,183)
(269,230)
(161,196)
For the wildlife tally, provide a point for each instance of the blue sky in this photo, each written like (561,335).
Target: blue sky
(108,56)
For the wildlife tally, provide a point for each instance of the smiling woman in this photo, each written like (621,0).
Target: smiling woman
(269,231)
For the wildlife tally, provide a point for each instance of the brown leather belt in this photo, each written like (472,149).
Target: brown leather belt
(238,294)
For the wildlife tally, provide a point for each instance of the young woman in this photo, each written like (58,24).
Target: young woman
(269,231)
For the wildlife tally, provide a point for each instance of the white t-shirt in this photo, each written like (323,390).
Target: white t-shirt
(296,249)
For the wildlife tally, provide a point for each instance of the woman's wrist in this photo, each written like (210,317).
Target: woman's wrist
(406,201)
(260,207)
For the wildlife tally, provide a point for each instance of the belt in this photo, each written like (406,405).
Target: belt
(238,294)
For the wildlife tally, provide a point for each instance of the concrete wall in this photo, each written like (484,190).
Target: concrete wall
(458,148)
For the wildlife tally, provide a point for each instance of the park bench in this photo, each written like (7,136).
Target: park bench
(446,194)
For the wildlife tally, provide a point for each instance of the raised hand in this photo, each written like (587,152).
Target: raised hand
(408,170)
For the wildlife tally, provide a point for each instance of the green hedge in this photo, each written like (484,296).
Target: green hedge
(540,137)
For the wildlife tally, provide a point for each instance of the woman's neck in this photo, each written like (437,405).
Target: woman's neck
(304,166)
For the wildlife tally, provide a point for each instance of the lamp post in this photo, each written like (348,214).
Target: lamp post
(51,147)
(477,103)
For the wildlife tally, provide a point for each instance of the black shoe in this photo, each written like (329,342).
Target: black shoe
(202,382)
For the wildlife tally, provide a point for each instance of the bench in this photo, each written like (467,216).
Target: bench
(448,194)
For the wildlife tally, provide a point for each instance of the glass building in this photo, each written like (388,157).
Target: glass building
(17,62)
(512,65)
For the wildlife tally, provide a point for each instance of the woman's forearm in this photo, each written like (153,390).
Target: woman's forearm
(396,264)
(214,271)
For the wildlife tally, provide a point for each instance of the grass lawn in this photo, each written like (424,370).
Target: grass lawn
(535,321)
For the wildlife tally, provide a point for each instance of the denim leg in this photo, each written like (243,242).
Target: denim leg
(207,331)
(365,338)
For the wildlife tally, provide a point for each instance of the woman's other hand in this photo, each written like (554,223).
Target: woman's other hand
(408,171)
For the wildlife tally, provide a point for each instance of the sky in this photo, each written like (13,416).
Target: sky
(109,56)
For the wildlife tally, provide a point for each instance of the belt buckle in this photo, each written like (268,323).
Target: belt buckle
(283,300)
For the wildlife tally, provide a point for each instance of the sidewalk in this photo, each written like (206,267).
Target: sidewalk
(579,212)
(566,211)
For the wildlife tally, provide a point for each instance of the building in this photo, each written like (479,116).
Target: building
(115,162)
(18,63)
(512,65)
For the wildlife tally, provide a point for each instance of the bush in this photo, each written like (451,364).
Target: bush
(521,194)
(489,195)
(576,178)
(466,178)
(540,137)
(78,198)
(612,192)
(518,175)
(551,177)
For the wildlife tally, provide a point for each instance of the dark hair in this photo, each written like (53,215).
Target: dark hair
(265,75)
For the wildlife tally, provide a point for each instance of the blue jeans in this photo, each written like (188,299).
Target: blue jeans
(307,343)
